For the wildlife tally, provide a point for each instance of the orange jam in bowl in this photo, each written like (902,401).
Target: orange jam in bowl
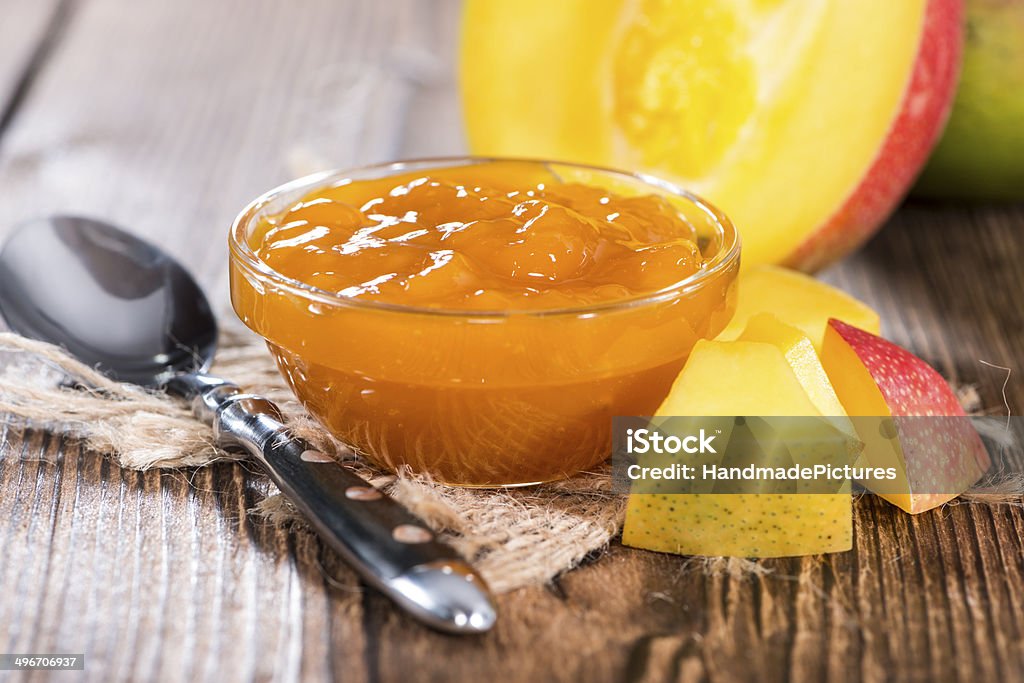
(482,320)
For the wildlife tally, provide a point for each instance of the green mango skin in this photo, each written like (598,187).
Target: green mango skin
(981,154)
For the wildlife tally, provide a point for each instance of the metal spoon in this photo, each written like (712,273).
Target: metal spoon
(122,305)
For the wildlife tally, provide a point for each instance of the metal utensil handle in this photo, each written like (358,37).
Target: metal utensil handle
(389,546)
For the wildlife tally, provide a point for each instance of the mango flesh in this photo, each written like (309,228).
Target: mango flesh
(797,300)
(737,379)
(751,104)
(981,153)
(729,379)
(802,358)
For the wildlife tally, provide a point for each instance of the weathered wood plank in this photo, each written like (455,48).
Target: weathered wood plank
(28,33)
(170,117)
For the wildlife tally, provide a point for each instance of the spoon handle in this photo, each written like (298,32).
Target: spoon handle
(386,544)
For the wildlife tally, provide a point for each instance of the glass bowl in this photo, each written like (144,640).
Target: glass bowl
(482,398)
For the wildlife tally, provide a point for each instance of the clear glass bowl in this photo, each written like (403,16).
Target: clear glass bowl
(493,398)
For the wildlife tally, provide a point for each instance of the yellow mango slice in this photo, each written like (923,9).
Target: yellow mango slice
(740,378)
(798,300)
(736,379)
(805,363)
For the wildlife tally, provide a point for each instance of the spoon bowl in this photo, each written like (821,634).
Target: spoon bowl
(112,300)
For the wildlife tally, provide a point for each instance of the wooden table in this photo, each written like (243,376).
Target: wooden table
(168,117)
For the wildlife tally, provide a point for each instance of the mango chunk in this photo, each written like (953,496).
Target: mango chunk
(739,378)
(908,418)
(804,361)
(797,300)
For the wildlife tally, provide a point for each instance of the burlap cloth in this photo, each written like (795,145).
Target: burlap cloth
(515,537)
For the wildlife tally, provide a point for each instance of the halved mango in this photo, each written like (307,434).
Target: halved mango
(805,121)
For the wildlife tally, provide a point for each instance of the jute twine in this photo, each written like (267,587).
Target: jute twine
(515,537)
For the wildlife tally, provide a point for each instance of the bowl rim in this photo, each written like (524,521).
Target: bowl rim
(240,251)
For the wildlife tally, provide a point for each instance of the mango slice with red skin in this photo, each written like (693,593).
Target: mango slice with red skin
(937,452)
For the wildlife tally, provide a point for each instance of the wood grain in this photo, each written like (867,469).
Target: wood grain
(27,36)
(168,117)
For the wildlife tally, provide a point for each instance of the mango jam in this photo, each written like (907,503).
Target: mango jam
(481,322)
